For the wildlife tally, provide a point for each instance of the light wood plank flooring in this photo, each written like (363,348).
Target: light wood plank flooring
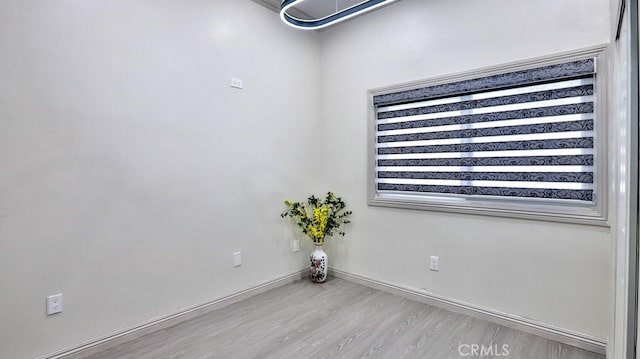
(336,319)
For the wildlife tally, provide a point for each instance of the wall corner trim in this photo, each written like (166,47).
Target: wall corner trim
(579,340)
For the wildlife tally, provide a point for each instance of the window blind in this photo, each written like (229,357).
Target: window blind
(525,134)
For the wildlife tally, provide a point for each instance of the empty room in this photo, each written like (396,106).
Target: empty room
(318,179)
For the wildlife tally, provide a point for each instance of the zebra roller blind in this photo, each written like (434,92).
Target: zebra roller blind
(524,134)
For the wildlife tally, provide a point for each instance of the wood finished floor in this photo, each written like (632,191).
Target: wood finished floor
(336,319)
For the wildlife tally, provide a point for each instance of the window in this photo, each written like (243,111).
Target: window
(525,140)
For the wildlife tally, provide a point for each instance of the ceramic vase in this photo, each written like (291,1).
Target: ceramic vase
(319,264)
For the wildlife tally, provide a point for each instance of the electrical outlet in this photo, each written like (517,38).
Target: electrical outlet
(237,83)
(434,264)
(54,304)
(296,245)
(237,259)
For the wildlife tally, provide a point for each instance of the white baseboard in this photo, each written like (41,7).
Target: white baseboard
(582,341)
(132,333)
(578,340)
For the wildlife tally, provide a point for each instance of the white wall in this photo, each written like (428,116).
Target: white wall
(556,274)
(130,170)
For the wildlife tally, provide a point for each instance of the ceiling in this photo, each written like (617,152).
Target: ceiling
(271,4)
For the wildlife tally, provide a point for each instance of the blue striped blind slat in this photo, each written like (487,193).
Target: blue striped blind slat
(584,142)
(580,160)
(585,90)
(573,109)
(583,195)
(584,125)
(527,134)
(517,78)
(581,177)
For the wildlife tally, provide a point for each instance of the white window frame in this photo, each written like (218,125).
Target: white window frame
(593,213)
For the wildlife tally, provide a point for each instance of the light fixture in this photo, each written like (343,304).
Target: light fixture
(293,18)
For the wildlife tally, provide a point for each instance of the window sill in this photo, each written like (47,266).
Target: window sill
(524,209)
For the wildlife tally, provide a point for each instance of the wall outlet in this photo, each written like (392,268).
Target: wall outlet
(237,83)
(434,263)
(54,304)
(237,259)
(295,246)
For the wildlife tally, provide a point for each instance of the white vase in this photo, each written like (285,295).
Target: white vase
(319,265)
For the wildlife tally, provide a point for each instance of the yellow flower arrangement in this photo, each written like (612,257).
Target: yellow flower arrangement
(318,219)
